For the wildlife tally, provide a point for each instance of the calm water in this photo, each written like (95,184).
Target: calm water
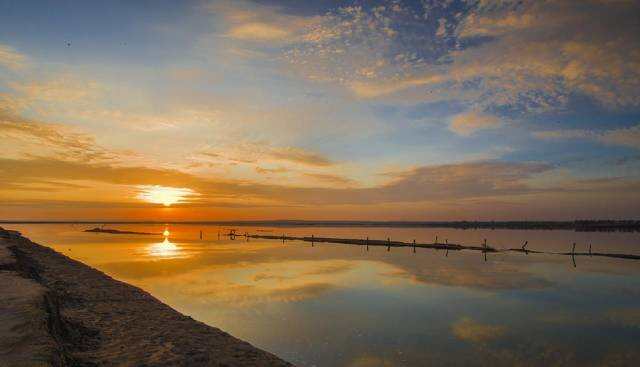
(340,305)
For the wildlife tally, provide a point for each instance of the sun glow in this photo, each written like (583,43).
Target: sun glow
(166,196)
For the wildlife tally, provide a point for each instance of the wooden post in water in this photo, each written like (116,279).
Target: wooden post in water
(436,240)
(200,234)
(573,254)
(414,245)
(311,240)
(283,238)
(388,244)
(446,253)
(484,244)
(367,243)
(589,249)
(218,234)
(524,248)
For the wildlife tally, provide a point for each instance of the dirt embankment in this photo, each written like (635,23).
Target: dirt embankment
(55,311)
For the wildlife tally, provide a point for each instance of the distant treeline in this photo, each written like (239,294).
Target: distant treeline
(577,225)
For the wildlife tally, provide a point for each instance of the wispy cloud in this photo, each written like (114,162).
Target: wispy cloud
(248,21)
(526,55)
(629,137)
(59,89)
(12,59)
(358,44)
(329,178)
(263,170)
(84,99)
(255,153)
(298,155)
(259,31)
(39,138)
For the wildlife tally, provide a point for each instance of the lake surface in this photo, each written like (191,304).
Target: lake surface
(341,305)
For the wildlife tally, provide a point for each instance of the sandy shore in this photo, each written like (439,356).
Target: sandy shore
(55,311)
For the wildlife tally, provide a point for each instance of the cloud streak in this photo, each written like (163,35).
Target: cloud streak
(627,137)
(40,138)
(12,59)
(246,21)
(483,179)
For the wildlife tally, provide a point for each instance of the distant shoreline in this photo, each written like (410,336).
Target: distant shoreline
(577,225)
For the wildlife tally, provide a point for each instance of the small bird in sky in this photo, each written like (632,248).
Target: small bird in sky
(68,44)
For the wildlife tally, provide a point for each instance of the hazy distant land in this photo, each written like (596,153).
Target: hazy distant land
(630,225)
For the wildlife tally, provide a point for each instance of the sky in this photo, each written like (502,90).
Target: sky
(344,110)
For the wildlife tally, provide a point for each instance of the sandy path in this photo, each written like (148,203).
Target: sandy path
(97,320)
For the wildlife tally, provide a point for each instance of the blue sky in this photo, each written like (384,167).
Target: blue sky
(384,109)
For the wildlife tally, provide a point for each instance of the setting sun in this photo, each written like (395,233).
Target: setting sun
(163,195)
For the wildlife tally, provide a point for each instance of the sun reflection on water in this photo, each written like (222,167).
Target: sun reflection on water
(166,249)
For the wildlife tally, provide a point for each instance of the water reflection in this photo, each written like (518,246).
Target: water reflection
(166,250)
(341,305)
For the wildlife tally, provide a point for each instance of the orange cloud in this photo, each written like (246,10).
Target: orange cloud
(329,178)
(12,59)
(298,155)
(44,139)
(252,153)
(259,23)
(259,32)
(468,123)
(66,88)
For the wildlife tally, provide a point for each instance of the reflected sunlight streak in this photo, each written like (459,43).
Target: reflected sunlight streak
(166,250)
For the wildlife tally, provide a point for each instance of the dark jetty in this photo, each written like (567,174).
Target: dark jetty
(116,231)
(483,247)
